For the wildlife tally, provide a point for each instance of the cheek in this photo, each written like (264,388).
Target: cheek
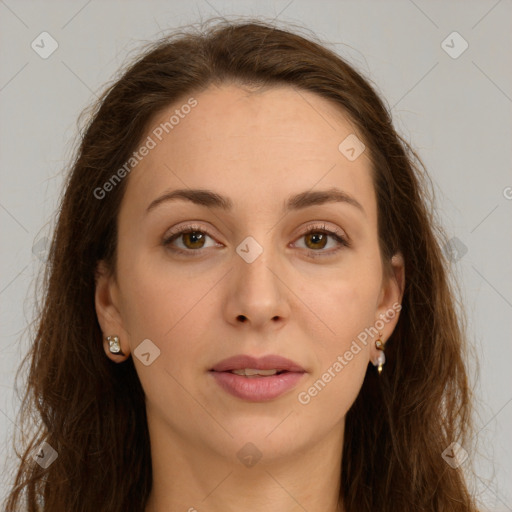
(351,311)
(346,304)
(342,356)
(171,312)
(150,306)
(342,351)
(170,309)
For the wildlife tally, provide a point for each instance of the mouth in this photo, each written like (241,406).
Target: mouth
(251,373)
(257,379)
(252,365)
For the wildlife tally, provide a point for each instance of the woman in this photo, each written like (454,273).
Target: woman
(246,301)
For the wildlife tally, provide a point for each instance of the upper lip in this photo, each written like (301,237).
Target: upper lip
(269,362)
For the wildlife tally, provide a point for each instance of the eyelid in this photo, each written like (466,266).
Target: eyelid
(180,229)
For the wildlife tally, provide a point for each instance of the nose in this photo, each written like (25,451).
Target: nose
(257,292)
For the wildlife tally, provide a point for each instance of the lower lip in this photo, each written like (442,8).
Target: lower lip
(257,389)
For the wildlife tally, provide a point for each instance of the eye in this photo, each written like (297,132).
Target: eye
(317,239)
(193,239)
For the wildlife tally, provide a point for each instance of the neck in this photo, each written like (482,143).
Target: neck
(192,478)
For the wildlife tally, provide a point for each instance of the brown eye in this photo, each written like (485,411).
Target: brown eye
(316,240)
(190,239)
(193,239)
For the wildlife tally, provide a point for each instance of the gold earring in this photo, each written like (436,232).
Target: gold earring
(114,345)
(381,359)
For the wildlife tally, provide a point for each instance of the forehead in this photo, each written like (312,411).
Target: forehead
(247,143)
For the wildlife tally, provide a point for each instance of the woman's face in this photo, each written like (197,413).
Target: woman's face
(250,280)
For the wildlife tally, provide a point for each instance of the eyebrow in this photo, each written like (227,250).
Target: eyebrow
(295,202)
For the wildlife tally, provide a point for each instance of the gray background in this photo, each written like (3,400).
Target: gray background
(456,112)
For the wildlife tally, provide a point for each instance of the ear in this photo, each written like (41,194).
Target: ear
(106,299)
(390,301)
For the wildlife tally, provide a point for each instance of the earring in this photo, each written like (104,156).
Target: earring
(114,345)
(381,358)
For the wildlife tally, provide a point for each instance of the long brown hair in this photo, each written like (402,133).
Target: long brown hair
(92,411)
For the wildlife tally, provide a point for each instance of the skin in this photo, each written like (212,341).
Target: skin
(243,144)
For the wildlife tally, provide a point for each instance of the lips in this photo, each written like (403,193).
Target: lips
(257,379)
(269,362)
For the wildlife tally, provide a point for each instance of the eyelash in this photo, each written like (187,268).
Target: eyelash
(342,241)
